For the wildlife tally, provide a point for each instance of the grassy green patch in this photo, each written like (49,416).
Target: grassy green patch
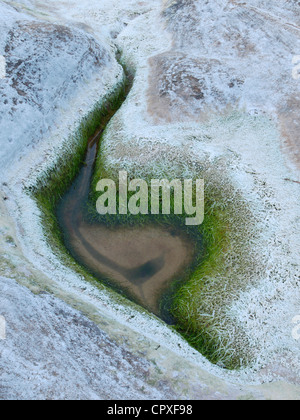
(227,268)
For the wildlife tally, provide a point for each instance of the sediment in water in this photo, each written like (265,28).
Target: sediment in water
(140,261)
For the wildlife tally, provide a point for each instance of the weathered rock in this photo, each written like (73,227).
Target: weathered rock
(46,65)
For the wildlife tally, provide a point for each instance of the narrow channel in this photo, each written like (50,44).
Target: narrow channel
(139,262)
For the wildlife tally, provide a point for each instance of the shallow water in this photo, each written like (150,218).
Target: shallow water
(140,262)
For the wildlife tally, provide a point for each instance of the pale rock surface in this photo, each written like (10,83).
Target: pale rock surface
(213,84)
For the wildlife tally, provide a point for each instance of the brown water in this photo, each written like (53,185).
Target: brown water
(141,262)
